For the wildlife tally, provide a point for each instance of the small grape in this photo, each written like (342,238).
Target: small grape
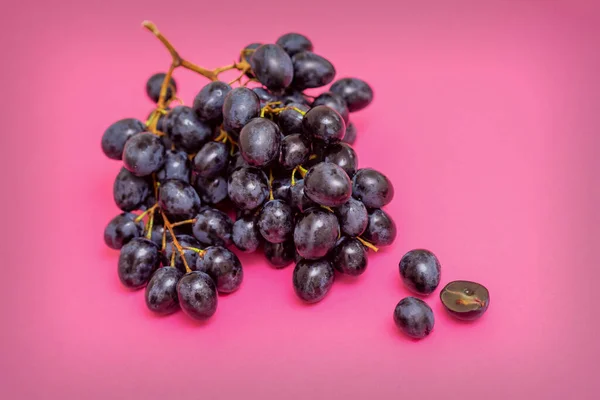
(282,188)
(211,190)
(177,166)
(272,66)
(356,93)
(130,191)
(311,70)
(343,155)
(290,119)
(353,217)
(298,198)
(294,43)
(350,257)
(324,123)
(178,199)
(223,266)
(197,295)
(381,229)
(420,271)
(154,84)
(121,230)
(414,317)
(275,221)
(295,150)
(327,184)
(161,292)
(280,255)
(315,233)
(335,102)
(248,188)
(240,106)
(259,142)
(186,130)
(313,279)
(245,234)
(115,137)
(212,159)
(208,103)
(143,154)
(137,262)
(213,228)
(372,188)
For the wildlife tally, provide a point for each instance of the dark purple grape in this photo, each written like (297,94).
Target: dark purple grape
(130,192)
(186,130)
(313,279)
(350,136)
(465,300)
(356,93)
(240,106)
(275,221)
(178,199)
(115,137)
(350,257)
(294,43)
(223,266)
(213,228)
(328,185)
(343,155)
(298,198)
(211,190)
(177,166)
(282,188)
(154,84)
(414,317)
(311,70)
(316,233)
(264,96)
(161,292)
(259,142)
(137,262)
(197,295)
(272,66)
(381,229)
(290,119)
(325,124)
(372,188)
(280,255)
(121,230)
(353,217)
(420,271)
(248,188)
(295,150)
(333,101)
(208,103)
(245,234)
(212,159)
(190,255)
(143,154)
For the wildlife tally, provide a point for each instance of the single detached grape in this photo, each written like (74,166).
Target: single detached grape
(240,106)
(208,103)
(177,166)
(465,300)
(130,192)
(294,43)
(121,230)
(186,130)
(328,185)
(143,154)
(190,255)
(272,66)
(115,137)
(137,262)
(343,155)
(161,292)
(353,217)
(372,188)
(280,255)
(178,199)
(259,142)
(316,233)
(213,228)
(295,150)
(414,317)
(290,119)
(248,188)
(245,234)
(324,123)
(311,70)
(420,271)
(154,84)
(211,190)
(356,93)
(350,136)
(197,295)
(312,279)
(223,267)
(275,221)
(381,229)
(333,101)
(212,159)
(350,257)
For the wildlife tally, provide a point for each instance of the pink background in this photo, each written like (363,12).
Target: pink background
(485,118)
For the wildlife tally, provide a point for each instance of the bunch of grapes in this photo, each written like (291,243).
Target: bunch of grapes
(276,159)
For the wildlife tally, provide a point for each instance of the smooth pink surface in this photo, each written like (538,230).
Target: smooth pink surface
(485,119)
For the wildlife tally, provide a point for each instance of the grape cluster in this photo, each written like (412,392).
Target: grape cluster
(262,168)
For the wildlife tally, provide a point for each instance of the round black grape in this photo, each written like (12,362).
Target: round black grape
(350,136)
(275,221)
(245,234)
(298,199)
(143,154)
(208,103)
(353,217)
(186,130)
(294,43)
(177,166)
(350,257)
(212,159)
(311,70)
(154,84)
(414,317)
(213,228)
(272,66)
(324,123)
(290,119)
(280,255)
(328,185)
(282,188)
(295,150)
(190,255)
(130,192)
(115,137)
(211,190)
(178,199)
(137,262)
(161,292)
(381,229)
(121,230)
(316,233)
(259,142)
(333,101)
(248,188)
(223,266)
(342,154)
(197,295)
(420,271)
(313,279)
(372,188)
(240,106)
(356,93)
(264,96)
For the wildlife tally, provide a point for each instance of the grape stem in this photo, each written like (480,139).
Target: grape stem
(148,211)
(196,250)
(178,247)
(271,184)
(187,221)
(368,244)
